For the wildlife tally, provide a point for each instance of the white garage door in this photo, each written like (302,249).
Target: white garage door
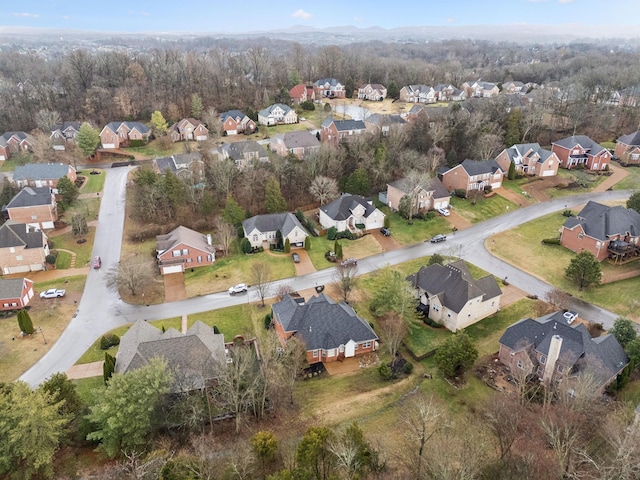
(109,145)
(547,173)
(172,269)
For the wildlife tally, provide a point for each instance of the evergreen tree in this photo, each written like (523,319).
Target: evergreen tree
(511,175)
(233,212)
(513,133)
(307,243)
(287,246)
(358,183)
(68,191)
(108,367)
(24,321)
(584,270)
(87,139)
(634,201)
(456,355)
(196,106)
(274,202)
(158,124)
(624,331)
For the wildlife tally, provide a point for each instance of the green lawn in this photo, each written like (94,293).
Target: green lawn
(86,386)
(418,231)
(154,149)
(484,209)
(586,181)
(631,182)
(69,242)
(94,183)
(14,161)
(63,260)
(89,207)
(73,283)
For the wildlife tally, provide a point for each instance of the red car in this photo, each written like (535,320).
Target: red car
(97,262)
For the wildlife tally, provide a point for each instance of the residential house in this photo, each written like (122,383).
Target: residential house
(120,134)
(372,91)
(277,114)
(195,356)
(607,232)
(529,159)
(183,248)
(554,351)
(188,129)
(23,248)
(302,93)
(472,175)
(514,101)
(628,149)
(42,174)
(15,293)
(351,212)
(418,94)
(433,114)
(188,166)
(330,331)
(329,88)
(336,131)
(34,206)
(451,296)
(63,133)
(300,143)
(514,87)
(630,96)
(429,195)
(14,142)
(235,122)
(480,89)
(261,229)
(243,152)
(445,92)
(384,123)
(581,150)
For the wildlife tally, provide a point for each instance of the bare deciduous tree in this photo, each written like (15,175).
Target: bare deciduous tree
(394,329)
(503,415)
(557,298)
(225,234)
(261,279)
(344,279)
(131,275)
(46,119)
(323,189)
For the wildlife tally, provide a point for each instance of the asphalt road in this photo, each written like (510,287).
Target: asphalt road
(101,309)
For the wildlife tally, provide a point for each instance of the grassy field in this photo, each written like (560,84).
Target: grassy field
(63,260)
(156,149)
(68,241)
(485,209)
(586,181)
(15,160)
(94,183)
(418,231)
(631,182)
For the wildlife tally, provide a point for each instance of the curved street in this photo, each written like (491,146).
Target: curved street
(101,309)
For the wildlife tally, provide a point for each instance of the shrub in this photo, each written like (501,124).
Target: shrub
(307,244)
(216,329)
(137,143)
(308,105)
(408,368)
(50,259)
(488,188)
(460,193)
(287,246)
(331,233)
(109,340)
(300,216)
(268,321)
(431,323)
(567,213)
(430,215)
(385,371)
(245,246)
(240,232)
(551,241)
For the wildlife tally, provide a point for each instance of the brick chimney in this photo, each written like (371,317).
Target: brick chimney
(552,358)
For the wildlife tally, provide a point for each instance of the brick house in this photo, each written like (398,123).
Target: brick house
(261,229)
(418,94)
(63,133)
(42,174)
(195,356)
(384,123)
(529,159)
(188,166)
(23,248)
(430,195)
(450,296)
(120,134)
(472,175)
(607,232)
(330,331)
(628,149)
(514,87)
(445,92)
(34,206)
(188,129)
(15,293)
(336,131)
(300,143)
(277,114)
(183,248)
(350,211)
(235,122)
(372,91)
(13,142)
(243,152)
(480,89)
(302,93)
(581,150)
(329,88)
(555,351)
(630,96)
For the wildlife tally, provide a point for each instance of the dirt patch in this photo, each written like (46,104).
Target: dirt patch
(537,187)
(174,288)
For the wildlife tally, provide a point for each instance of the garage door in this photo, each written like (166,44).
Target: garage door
(109,145)
(496,185)
(172,269)
(548,173)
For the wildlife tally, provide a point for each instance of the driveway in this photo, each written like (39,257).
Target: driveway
(174,288)
(387,243)
(305,266)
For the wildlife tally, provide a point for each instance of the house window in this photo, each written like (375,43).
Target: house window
(199,258)
(12,250)
(520,365)
(19,258)
(560,369)
(435,307)
(189,260)
(14,304)
(175,253)
(185,252)
(315,354)
(366,345)
(34,217)
(255,238)
(209,258)
(5,304)
(543,359)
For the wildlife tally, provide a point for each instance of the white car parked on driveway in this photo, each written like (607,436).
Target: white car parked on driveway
(444,212)
(52,293)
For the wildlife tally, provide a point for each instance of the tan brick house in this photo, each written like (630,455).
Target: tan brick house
(183,248)
(34,206)
(330,331)
(15,293)
(430,195)
(23,248)
(300,143)
(628,149)
(472,175)
(188,129)
(120,134)
(529,159)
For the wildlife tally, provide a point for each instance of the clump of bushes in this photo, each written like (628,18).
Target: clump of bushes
(460,193)
(308,105)
(109,340)
(567,213)
(551,241)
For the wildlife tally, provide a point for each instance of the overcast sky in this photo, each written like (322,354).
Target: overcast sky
(256,15)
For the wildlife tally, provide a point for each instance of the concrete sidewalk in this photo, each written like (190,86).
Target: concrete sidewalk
(85,370)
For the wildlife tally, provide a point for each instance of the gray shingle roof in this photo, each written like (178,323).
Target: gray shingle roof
(196,356)
(237,150)
(322,323)
(342,208)
(31,196)
(385,119)
(432,185)
(480,167)
(521,149)
(601,221)
(271,222)
(344,125)
(4,138)
(267,111)
(185,236)
(326,81)
(64,125)
(20,235)
(633,139)
(174,162)
(141,127)
(11,288)
(585,142)
(576,342)
(299,139)
(41,171)
(235,114)
(454,285)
